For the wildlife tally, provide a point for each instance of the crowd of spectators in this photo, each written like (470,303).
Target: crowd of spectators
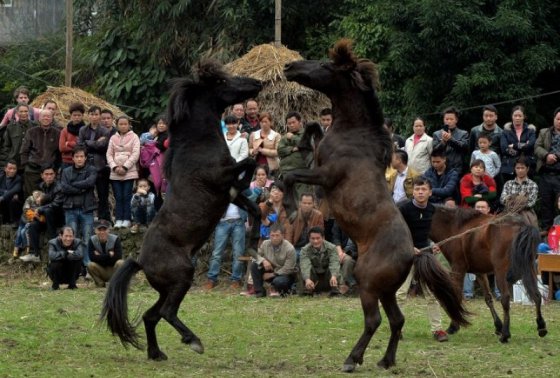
(55,176)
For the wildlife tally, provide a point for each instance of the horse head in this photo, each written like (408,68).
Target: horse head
(343,71)
(211,85)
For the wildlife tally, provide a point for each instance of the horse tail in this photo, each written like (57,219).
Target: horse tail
(115,307)
(522,262)
(433,275)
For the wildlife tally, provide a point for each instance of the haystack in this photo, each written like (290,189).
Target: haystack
(64,96)
(279,96)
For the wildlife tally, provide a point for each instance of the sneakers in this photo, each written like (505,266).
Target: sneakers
(209,285)
(273,293)
(125,224)
(118,224)
(15,253)
(440,336)
(134,229)
(30,258)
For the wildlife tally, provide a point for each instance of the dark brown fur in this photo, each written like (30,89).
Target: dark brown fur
(201,172)
(350,163)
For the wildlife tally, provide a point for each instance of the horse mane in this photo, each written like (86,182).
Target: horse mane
(461,215)
(205,72)
(364,76)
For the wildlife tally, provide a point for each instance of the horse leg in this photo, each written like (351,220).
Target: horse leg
(151,319)
(541,324)
(396,322)
(506,296)
(169,311)
(485,285)
(372,320)
(315,176)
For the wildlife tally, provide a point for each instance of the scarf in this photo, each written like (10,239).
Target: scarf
(74,129)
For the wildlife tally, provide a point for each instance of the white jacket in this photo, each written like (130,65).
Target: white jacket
(419,155)
(238,147)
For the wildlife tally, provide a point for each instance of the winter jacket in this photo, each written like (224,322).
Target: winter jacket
(443,186)
(296,228)
(525,145)
(322,261)
(113,243)
(77,185)
(124,150)
(40,147)
(67,142)
(455,149)
(96,141)
(494,136)
(419,154)
(289,159)
(9,186)
(13,139)
(57,251)
(283,262)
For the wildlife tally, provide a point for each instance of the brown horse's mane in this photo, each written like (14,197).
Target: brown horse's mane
(342,55)
(461,215)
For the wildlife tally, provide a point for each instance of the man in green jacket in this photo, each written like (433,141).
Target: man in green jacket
(319,264)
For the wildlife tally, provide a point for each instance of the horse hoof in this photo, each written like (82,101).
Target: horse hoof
(348,368)
(452,330)
(504,340)
(383,363)
(542,332)
(197,347)
(157,356)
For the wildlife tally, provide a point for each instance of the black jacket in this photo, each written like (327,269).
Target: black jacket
(77,185)
(9,186)
(52,197)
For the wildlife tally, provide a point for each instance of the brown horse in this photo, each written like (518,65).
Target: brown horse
(506,247)
(201,173)
(350,163)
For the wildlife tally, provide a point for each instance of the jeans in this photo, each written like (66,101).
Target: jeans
(468,285)
(102,187)
(236,229)
(143,214)
(123,194)
(83,221)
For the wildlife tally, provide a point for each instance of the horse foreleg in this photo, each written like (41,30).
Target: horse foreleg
(396,322)
(151,319)
(372,320)
(169,313)
(315,176)
(485,285)
(251,206)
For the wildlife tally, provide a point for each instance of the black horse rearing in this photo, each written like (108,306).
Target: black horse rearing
(201,173)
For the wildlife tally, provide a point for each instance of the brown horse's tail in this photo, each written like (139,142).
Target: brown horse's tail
(432,274)
(522,265)
(115,307)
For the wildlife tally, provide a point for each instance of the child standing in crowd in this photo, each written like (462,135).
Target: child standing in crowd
(142,206)
(32,203)
(490,158)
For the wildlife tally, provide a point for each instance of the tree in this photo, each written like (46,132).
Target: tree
(433,54)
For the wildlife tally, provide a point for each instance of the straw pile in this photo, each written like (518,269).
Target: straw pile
(64,96)
(266,63)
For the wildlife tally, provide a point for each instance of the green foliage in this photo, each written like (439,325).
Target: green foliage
(433,54)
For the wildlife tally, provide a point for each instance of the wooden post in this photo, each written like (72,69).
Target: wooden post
(278,23)
(69,42)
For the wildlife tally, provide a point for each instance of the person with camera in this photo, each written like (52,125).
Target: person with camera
(452,140)
(547,151)
(275,264)
(65,258)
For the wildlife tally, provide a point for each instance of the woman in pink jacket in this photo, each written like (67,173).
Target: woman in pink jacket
(122,156)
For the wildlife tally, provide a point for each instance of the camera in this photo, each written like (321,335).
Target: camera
(445,128)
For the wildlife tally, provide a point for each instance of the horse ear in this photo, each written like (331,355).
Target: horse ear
(369,73)
(342,55)
(208,71)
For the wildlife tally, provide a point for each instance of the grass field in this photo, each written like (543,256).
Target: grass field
(48,334)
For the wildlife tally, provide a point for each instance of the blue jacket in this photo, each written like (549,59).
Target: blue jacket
(443,186)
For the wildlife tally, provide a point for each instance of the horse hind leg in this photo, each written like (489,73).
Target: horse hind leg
(151,319)
(396,322)
(541,324)
(372,320)
(169,312)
